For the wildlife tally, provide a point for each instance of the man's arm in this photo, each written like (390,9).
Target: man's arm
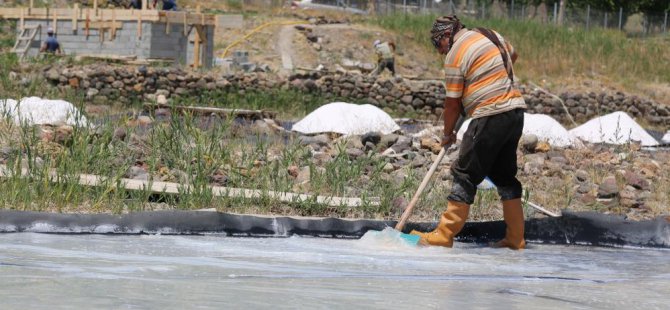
(514,57)
(452,111)
(43,48)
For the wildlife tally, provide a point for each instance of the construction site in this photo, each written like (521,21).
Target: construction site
(182,37)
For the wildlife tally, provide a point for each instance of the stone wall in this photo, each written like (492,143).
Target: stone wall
(106,84)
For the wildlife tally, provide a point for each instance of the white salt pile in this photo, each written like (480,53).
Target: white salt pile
(544,127)
(347,119)
(38,111)
(613,128)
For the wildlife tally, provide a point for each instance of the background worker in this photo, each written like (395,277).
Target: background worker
(480,84)
(168,5)
(385,57)
(51,45)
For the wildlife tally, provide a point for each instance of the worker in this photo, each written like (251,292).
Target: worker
(385,57)
(168,5)
(135,4)
(479,84)
(51,45)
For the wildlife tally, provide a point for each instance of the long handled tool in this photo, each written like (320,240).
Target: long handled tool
(415,198)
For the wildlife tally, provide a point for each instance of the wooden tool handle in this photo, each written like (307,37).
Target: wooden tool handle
(412,203)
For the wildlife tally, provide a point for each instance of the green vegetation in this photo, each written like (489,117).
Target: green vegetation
(560,53)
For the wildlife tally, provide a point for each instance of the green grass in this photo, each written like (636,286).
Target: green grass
(547,51)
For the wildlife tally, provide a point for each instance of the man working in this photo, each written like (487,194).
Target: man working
(479,83)
(385,58)
(51,45)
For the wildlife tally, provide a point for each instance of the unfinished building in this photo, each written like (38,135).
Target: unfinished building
(179,36)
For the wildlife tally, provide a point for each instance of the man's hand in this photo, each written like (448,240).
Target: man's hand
(449,139)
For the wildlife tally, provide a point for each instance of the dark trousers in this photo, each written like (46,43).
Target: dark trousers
(488,149)
(383,64)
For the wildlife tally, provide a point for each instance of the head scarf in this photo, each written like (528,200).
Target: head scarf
(445,26)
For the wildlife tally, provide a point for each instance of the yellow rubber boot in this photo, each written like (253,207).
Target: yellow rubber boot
(451,223)
(513,214)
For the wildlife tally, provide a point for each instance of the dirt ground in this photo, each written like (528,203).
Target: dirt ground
(337,42)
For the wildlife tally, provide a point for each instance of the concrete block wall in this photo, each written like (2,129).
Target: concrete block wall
(154,41)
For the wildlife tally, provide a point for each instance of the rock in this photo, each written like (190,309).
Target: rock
(293,171)
(320,140)
(119,134)
(388,167)
(160,99)
(388,140)
(635,180)
(303,176)
(218,179)
(137,173)
(354,153)
(144,120)
(608,187)
(419,161)
(372,137)
(403,143)
(91,92)
(542,147)
(582,175)
(431,143)
(529,142)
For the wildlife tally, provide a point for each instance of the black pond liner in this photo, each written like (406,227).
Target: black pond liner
(582,228)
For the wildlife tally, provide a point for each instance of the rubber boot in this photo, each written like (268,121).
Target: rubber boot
(513,214)
(451,223)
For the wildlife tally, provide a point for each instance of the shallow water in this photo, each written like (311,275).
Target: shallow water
(49,271)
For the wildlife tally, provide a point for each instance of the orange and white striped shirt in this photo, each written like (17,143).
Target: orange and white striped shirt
(475,72)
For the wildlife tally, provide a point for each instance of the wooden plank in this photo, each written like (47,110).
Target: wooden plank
(139,24)
(196,48)
(219,191)
(220,111)
(75,16)
(112,28)
(121,15)
(105,25)
(55,23)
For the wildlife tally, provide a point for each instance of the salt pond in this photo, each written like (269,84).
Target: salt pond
(49,271)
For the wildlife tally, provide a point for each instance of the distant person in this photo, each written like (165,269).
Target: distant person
(385,57)
(135,4)
(51,44)
(168,5)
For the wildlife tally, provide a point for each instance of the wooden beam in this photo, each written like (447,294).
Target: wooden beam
(75,16)
(121,15)
(178,189)
(254,114)
(139,24)
(113,29)
(55,23)
(196,48)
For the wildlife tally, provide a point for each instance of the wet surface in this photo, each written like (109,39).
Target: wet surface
(40,271)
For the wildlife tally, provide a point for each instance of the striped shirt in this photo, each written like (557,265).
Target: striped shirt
(476,73)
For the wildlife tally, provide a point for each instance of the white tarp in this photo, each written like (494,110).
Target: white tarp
(38,111)
(544,127)
(347,119)
(613,128)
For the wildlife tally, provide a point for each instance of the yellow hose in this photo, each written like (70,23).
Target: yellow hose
(257,29)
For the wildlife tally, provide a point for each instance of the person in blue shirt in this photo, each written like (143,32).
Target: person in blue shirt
(51,44)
